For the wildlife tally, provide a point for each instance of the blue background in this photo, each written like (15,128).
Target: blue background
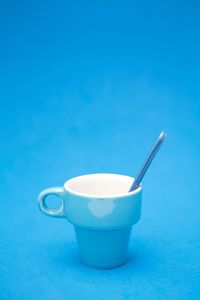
(86,86)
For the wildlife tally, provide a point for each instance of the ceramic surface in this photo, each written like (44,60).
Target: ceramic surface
(102,212)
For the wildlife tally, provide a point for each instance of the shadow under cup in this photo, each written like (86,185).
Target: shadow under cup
(102,212)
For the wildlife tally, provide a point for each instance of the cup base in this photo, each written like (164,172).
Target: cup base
(103,249)
(96,266)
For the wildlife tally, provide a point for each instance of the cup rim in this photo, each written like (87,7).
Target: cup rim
(85,195)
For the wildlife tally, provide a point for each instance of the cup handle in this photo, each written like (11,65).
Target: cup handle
(57,212)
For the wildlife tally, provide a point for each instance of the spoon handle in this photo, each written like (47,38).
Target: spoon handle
(148,161)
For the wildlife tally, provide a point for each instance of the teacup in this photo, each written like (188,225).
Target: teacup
(102,212)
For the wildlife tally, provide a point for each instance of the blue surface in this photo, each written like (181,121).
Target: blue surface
(86,87)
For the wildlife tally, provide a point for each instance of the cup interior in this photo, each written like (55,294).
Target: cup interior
(99,185)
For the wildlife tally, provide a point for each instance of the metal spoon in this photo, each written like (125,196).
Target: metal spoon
(148,161)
